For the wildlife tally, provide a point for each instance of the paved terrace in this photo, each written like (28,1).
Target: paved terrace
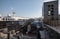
(57,29)
(54,32)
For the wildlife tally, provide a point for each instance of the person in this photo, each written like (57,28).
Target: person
(38,34)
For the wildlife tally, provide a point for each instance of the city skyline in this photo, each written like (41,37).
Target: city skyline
(22,8)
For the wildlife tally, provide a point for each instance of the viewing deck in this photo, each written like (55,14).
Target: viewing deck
(57,29)
(54,32)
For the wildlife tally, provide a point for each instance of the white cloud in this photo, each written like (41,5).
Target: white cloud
(48,0)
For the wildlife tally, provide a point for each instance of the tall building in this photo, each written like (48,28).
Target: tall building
(50,11)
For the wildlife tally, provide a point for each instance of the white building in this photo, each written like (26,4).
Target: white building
(12,18)
(8,18)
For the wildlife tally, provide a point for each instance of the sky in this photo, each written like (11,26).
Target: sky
(22,8)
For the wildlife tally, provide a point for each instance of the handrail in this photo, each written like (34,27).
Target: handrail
(53,28)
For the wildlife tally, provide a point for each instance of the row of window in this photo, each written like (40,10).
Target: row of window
(51,5)
(7,19)
(51,10)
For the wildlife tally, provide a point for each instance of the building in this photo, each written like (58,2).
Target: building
(1,18)
(11,20)
(8,18)
(50,12)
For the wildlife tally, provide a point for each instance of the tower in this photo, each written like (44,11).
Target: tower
(50,12)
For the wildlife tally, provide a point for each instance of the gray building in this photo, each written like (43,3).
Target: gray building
(50,13)
(50,10)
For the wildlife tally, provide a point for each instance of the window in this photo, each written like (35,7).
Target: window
(52,5)
(52,8)
(48,5)
(52,12)
(3,18)
(6,18)
(49,12)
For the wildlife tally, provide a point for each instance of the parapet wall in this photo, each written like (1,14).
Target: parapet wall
(54,23)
